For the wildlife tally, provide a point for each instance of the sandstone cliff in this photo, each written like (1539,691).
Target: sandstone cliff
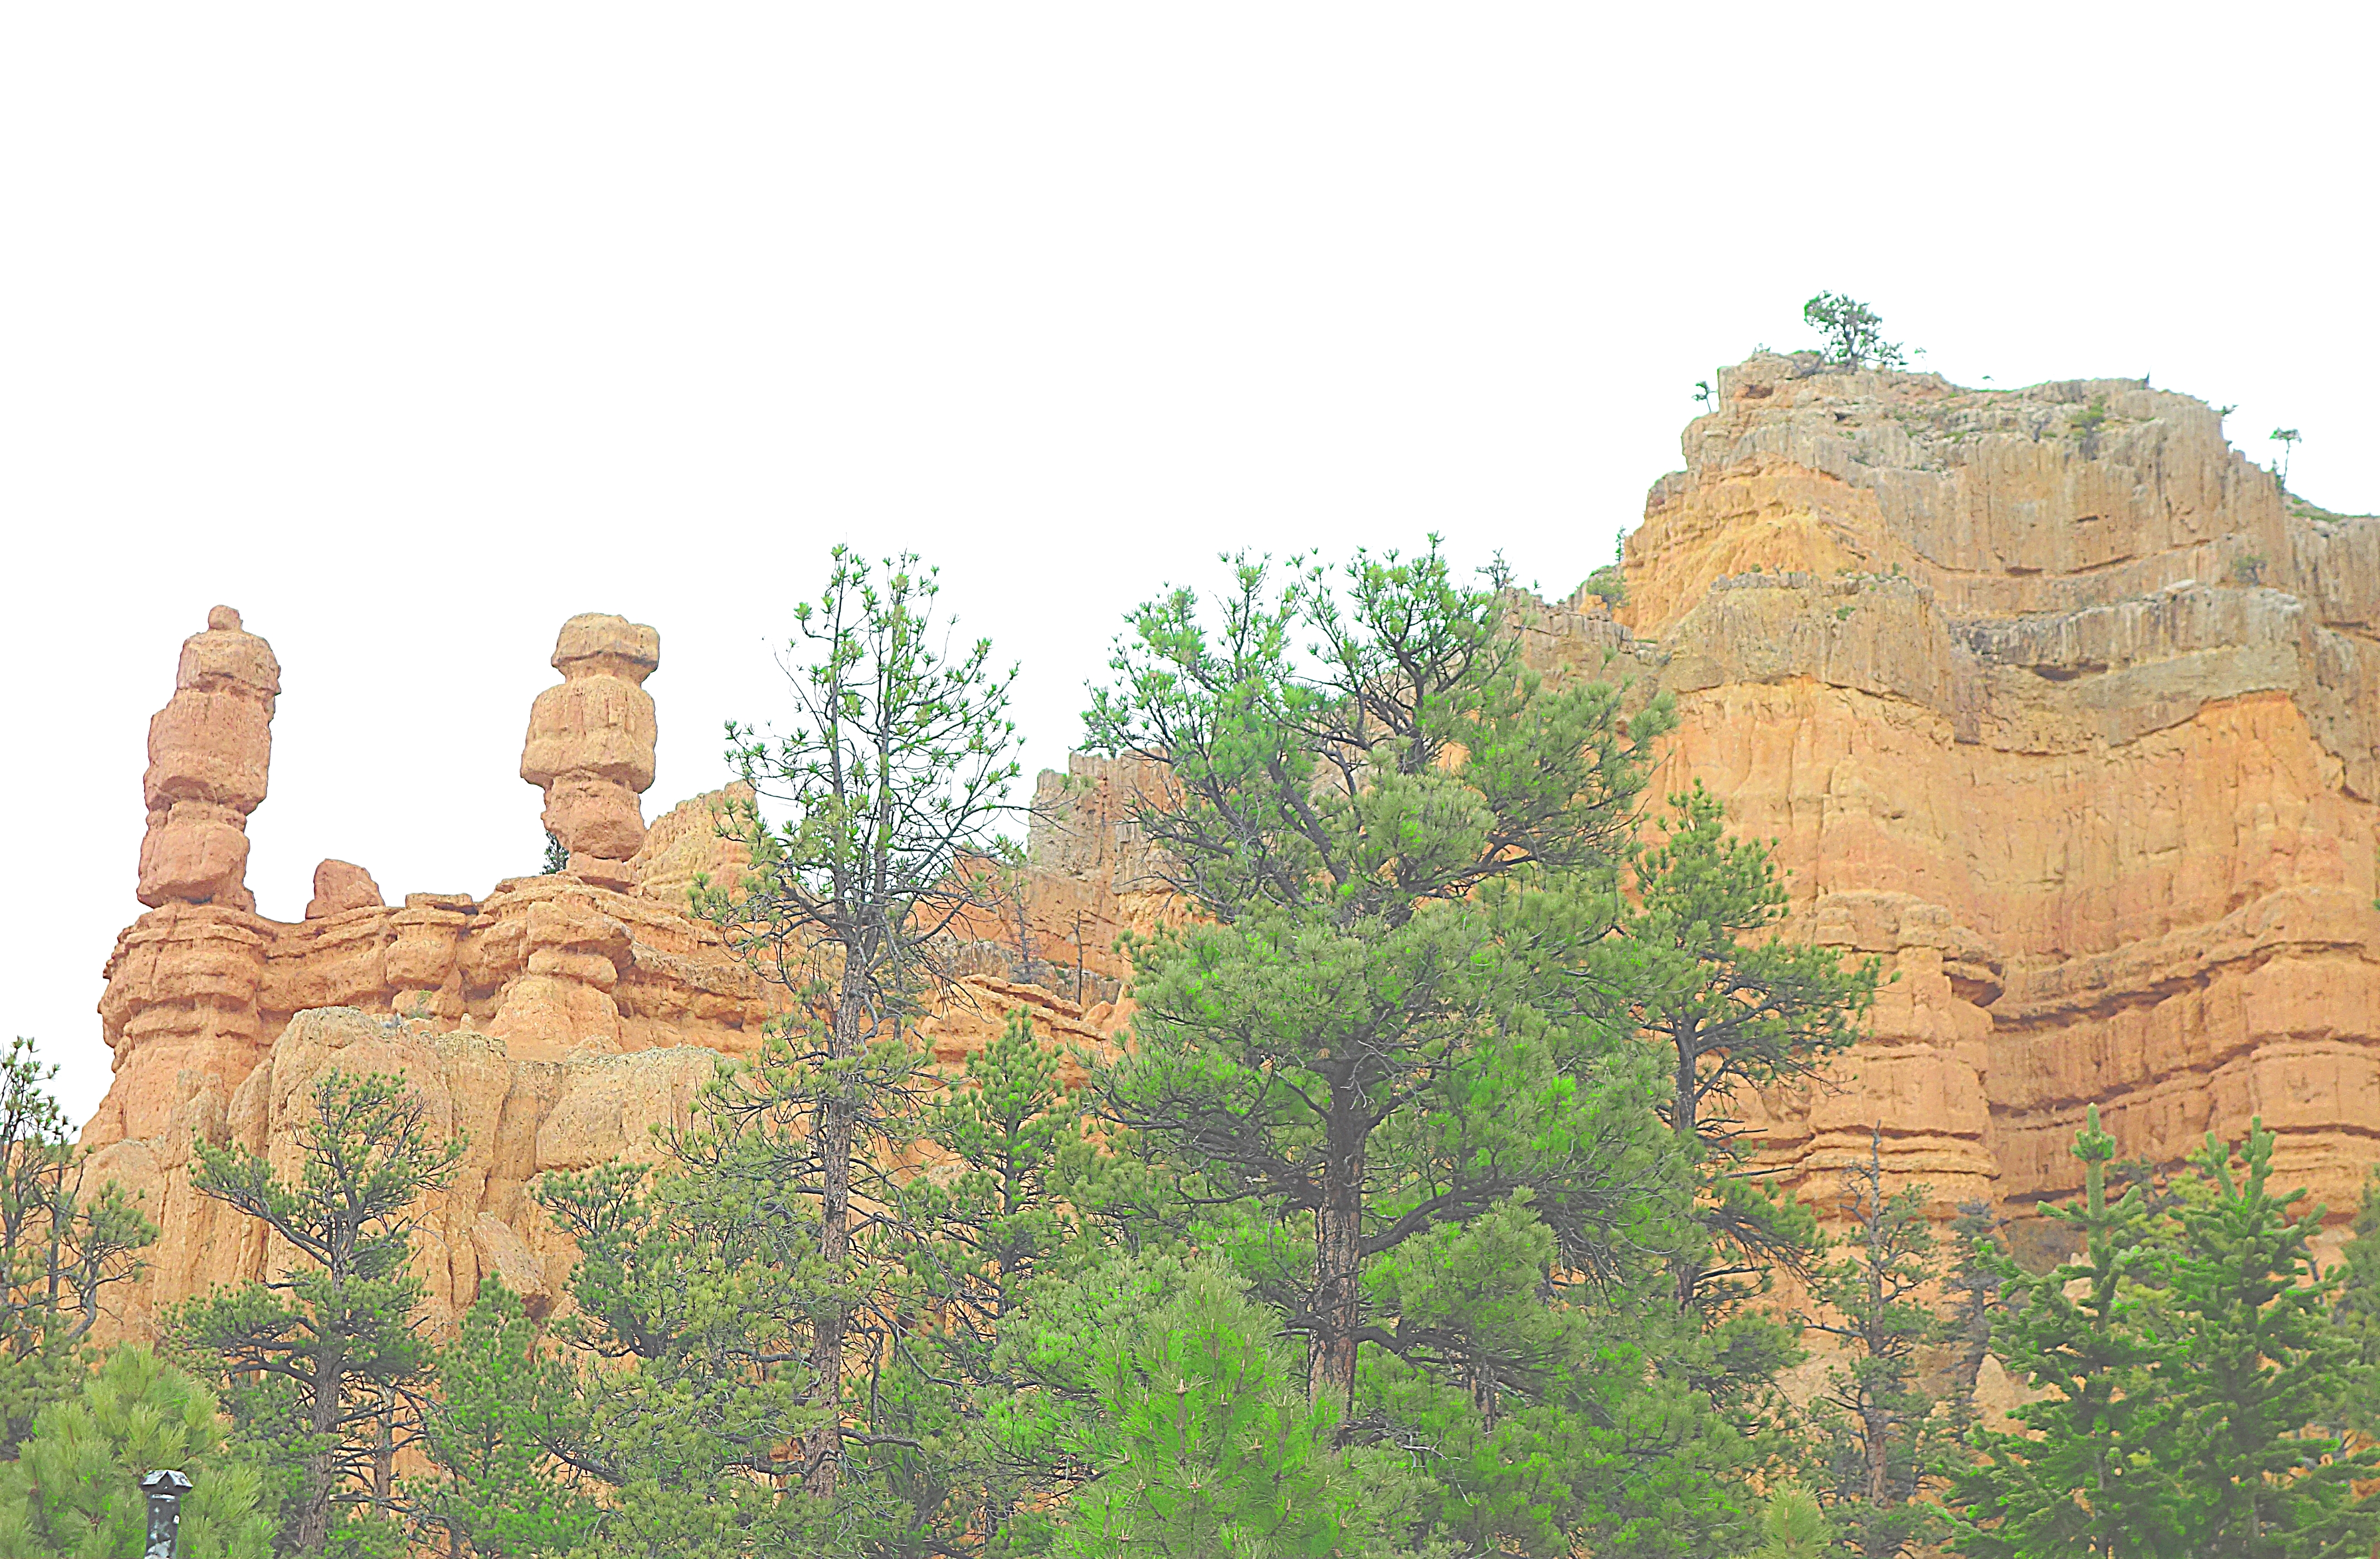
(2064,708)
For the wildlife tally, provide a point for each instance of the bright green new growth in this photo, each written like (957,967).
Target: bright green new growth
(74,1490)
(1792,1526)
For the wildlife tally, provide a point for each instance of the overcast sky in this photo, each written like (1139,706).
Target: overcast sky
(410,331)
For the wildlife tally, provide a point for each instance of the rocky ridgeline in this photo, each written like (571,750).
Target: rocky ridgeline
(2051,699)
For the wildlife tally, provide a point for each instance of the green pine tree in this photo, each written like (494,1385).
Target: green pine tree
(328,1359)
(62,1245)
(1368,1071)
(1736,1008)
(74,1489)
(503,1401)
(894,766)
(2257,1367)
(2083,1476)
(1877,1413)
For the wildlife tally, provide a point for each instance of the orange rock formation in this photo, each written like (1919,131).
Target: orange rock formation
(2051,699)
(2062,707)
(553,1022)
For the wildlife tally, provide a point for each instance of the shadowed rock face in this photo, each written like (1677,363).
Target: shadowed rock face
(2063,708)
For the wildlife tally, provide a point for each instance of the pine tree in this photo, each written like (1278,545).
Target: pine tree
(2258,1366)
(503,1401)
(1390,849)
(889,777)
(693,1401)
(1736,1008)
(61,1246)
(333,1365)
(75,1488)
(1876,1412)
(1162,1383)
(1367,1070)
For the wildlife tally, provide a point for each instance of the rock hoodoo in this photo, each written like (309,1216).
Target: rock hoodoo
(209,750)
(590,743)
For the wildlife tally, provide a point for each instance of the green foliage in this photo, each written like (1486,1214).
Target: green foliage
(1792,1526)
(1735,1007)
(1611,581)
(2259,1367)
(2083,1476)
(328,1357)
(557,856)
(60,1249)
(1398,841)
(1854,332)
(74,1490)
(2085,424)
(694,1292)
(2288,439)
(2247,569)
(1166,1385)
(888,778)
(504,1400)
(2187,1379)
(1877,1415)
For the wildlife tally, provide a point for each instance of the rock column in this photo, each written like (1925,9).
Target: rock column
(590,743)
(209,748)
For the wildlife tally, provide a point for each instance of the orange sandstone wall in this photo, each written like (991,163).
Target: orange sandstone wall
(2069,714)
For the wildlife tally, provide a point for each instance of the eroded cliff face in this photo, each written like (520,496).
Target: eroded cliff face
(553,1022)
(2058,704)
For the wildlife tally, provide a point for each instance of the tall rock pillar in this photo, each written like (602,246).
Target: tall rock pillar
(209,748)
(590,743)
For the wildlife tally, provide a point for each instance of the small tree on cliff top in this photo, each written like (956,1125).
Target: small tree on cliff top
(1854,332)
(326,1357)
(887,780)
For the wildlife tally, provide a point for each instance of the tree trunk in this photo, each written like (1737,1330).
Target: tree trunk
(313,1533)
(838,1130)
(1683,1121)
(1338,1260)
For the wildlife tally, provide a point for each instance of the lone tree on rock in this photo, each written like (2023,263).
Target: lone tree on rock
(1854,332)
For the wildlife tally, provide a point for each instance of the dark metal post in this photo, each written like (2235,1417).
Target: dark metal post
(165,1490)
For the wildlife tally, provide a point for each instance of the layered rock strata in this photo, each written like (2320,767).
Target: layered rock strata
(209,750)
(2053,702)
(2066,710)
(590,743)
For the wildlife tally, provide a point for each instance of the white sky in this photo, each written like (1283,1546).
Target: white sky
(410,331)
